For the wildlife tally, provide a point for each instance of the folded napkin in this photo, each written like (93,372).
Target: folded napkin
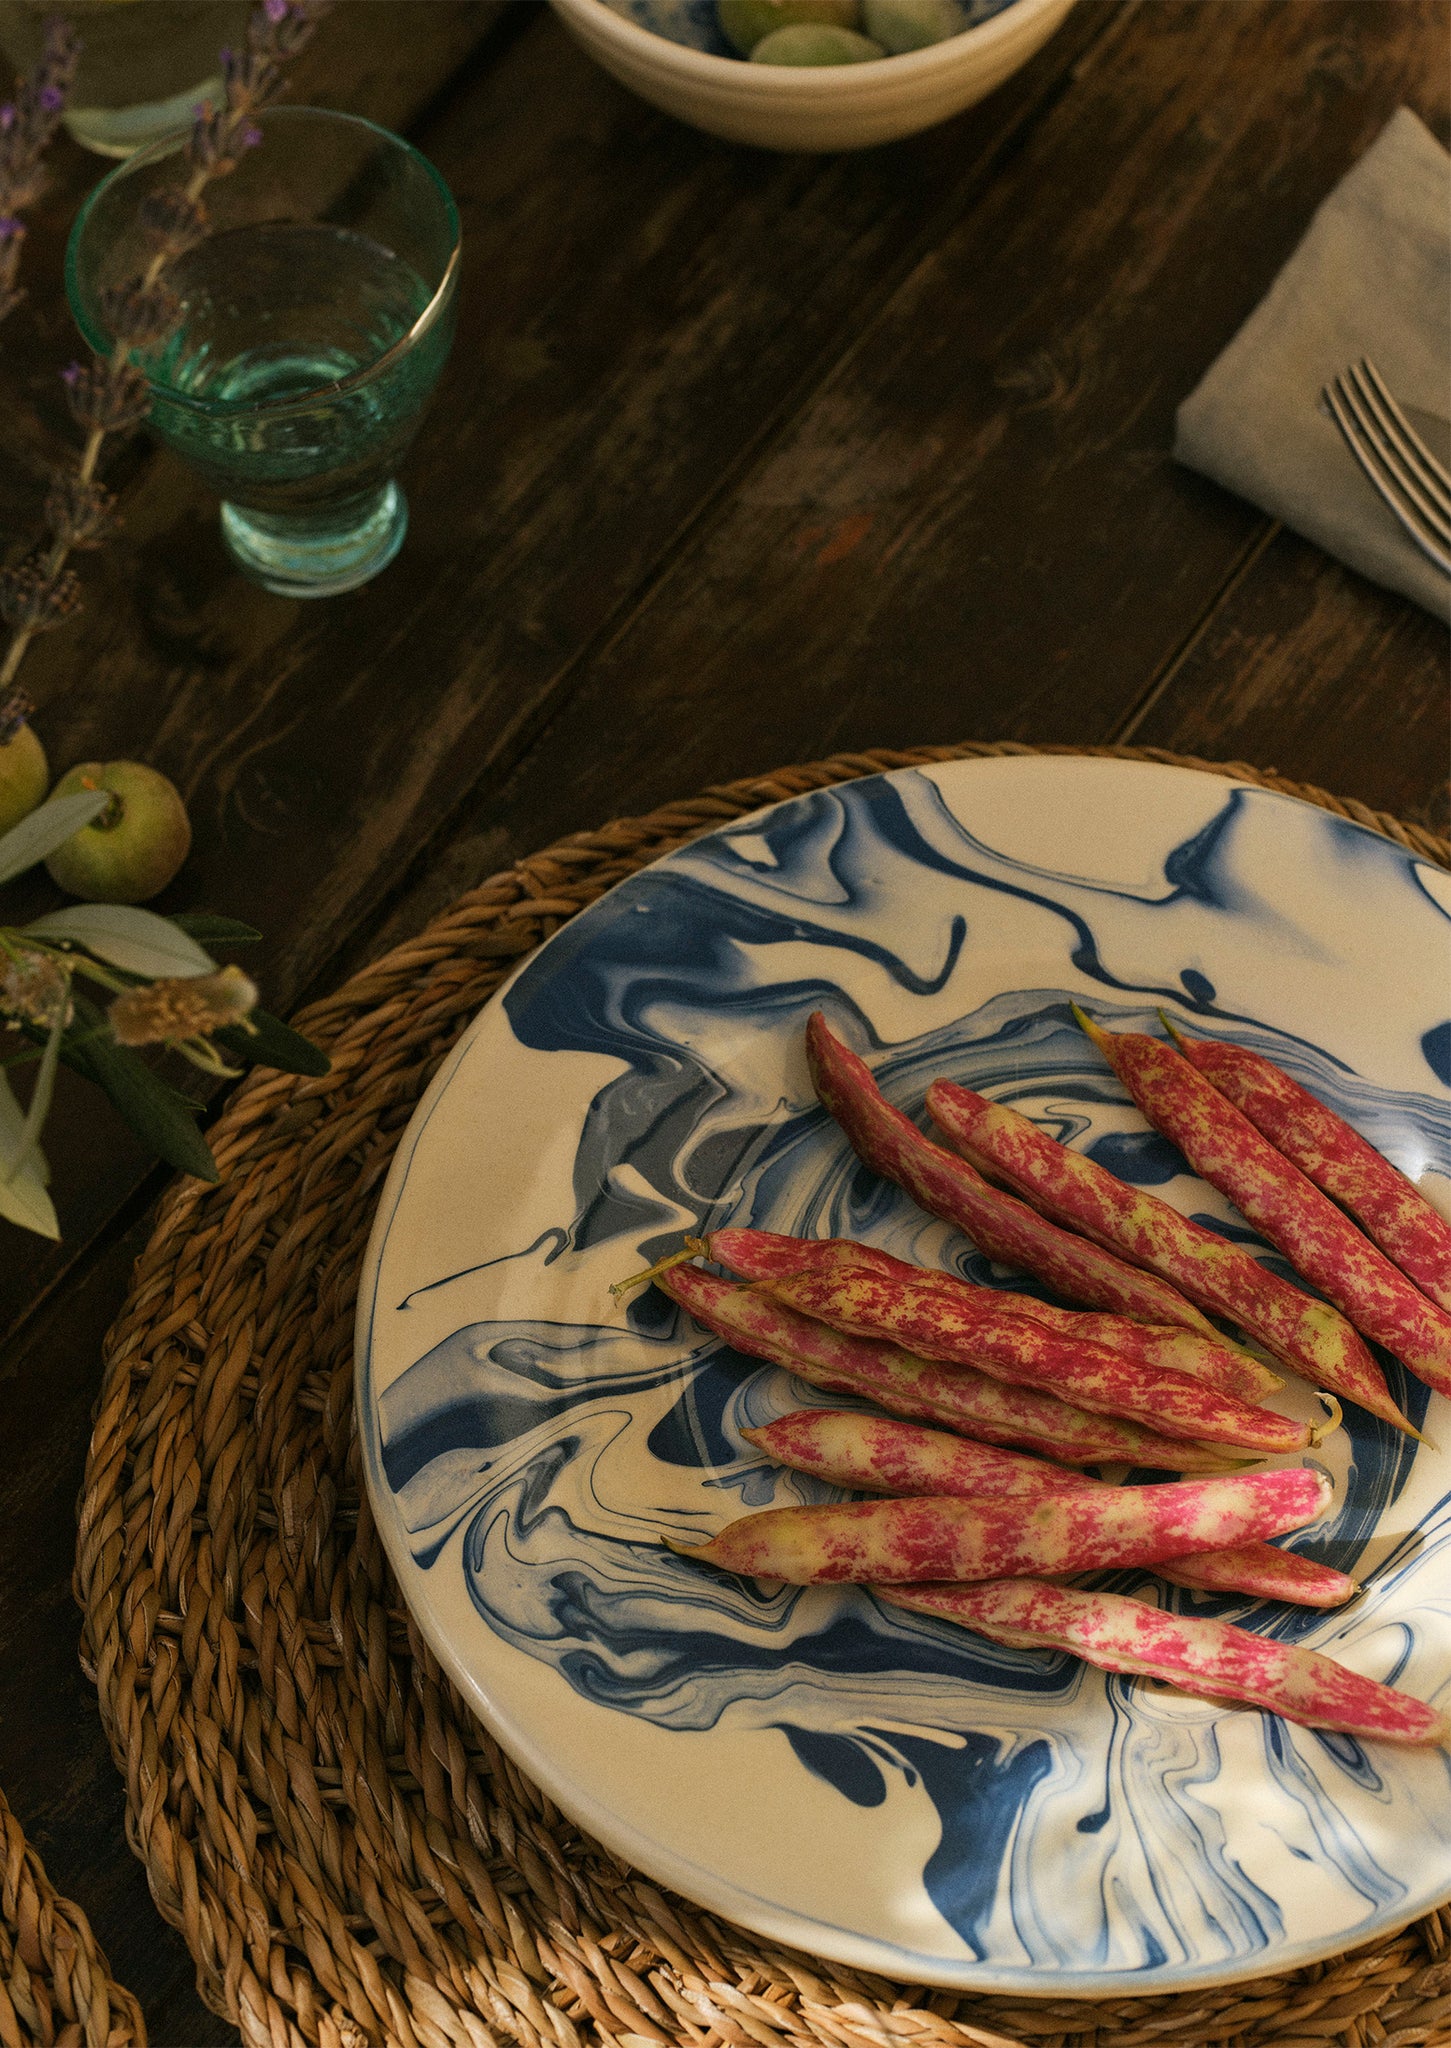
(1372,277)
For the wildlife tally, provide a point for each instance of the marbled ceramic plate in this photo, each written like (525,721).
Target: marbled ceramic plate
(882,1789)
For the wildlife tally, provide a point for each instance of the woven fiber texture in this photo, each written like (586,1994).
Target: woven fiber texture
(56,1988)
(349,1856)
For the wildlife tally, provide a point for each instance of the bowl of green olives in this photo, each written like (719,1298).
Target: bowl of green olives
(812,74)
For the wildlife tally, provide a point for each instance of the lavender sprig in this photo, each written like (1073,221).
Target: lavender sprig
(27,127)
(109,397)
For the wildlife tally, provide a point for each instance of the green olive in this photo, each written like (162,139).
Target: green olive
(24,776)
(809,43)
(901,25)
(745,22)
(135,846)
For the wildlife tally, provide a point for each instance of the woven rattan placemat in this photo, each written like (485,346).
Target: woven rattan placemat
(349,1856)
(56,1988)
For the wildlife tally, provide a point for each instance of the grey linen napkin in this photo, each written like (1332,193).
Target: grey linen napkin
(1372,277)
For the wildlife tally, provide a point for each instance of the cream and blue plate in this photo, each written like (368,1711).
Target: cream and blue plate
(883,1789)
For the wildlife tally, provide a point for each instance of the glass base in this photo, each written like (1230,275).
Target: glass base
(121,131)
(316,554)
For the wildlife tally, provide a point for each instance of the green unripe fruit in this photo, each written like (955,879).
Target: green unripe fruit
(136,844)
(900,25)
(809,44)
(24,774)
(745,22)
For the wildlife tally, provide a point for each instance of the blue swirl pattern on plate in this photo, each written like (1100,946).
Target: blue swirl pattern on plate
(1031,1824)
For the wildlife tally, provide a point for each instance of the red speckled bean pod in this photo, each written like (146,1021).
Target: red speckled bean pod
(1079,1530)
(946,1186)
(1320,1241)
(884,1455)
(963,1400)
(1309,1336)
(1209,1657)
(879,1454)
(930,1323)
(766,1255)
(1325,1148)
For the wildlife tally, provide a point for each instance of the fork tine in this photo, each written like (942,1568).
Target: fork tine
(1336,399)
(1399,429)
(1389,459)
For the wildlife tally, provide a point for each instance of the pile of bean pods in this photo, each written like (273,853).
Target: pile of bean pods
(992,1400)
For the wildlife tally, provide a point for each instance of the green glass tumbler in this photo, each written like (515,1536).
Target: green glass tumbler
(317,314)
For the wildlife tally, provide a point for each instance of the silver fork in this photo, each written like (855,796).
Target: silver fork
(1415,486)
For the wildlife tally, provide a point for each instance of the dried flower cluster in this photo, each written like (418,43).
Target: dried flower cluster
(27,124)
(15,708)
(35,989)
(175,1011)
(110,397)
(161,989)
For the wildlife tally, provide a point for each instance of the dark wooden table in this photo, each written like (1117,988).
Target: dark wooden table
(739,460)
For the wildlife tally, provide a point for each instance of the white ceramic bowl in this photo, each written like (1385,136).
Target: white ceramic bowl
(830,106)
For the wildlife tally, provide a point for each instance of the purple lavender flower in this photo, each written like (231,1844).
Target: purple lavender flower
(250,136)
(7,117)
(51,98)
(70,376)
(10,228)
(277,11)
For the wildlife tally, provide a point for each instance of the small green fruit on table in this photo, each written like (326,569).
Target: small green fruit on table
(24,773)
(135,846)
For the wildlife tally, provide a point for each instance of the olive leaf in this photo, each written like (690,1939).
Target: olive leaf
(23,1199)
(160,1115)
(210,930)
(12,1129)
(270,1043)
(137,941)
(46,828)
(40,1100)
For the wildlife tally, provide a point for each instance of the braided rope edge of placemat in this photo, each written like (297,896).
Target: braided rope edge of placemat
(348,1854)
(56,1987)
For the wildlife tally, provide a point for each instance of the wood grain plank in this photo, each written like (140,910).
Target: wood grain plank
(1308,668)
(640,303)
(975,528)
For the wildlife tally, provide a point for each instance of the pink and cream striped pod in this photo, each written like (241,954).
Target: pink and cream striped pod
(963,1400)
(1318,1239)
(949,1187)
(877,1453)
(1389,1207)
(1307,1335)
(767,1255)
(1080,1529)
(1209,1657)
(861,1301)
